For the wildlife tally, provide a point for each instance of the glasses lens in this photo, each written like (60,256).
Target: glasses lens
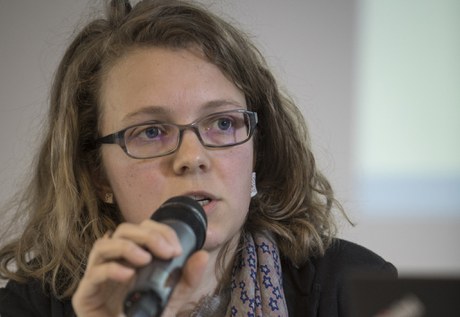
(216,130)
(225,128)
(153,139)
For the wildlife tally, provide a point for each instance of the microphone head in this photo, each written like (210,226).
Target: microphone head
(187,210)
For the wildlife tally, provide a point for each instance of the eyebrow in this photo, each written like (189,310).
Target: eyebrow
(164,111)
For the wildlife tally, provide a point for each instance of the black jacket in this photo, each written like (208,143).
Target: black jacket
(320,289)
(316,289)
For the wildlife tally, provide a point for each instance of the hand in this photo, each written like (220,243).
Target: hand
(112,265)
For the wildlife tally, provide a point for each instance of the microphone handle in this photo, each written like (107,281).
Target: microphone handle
(156,281)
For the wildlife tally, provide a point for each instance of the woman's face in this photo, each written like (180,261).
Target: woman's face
(176,86)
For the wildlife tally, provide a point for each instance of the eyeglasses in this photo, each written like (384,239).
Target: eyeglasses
(154,138)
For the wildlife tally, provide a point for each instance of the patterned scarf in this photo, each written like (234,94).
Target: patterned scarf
(257,284)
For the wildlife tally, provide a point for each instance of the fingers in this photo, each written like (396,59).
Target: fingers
(194,269)
(129,243)
(92,283)
(184,295)
(108,249)
(113,261)
(159,238)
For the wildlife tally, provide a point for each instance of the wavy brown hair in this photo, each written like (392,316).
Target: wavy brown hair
(64,206)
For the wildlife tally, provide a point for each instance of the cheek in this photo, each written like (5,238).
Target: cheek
(238,176)
(240,164)
(135,187)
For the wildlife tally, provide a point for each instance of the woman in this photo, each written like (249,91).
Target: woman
(165,99)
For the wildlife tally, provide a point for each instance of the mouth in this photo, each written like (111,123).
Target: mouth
(202,200)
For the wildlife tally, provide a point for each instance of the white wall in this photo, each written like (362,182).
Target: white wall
(314,48)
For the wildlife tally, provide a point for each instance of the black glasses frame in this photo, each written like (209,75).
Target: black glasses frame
(119,137)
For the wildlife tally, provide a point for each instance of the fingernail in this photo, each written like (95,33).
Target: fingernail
(126,271)
(143,255)
(179,250)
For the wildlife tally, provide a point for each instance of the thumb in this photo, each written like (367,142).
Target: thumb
(191,278)
(195,268)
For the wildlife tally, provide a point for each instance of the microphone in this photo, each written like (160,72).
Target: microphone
(156,281)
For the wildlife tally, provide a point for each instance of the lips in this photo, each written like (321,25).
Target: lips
(204,199)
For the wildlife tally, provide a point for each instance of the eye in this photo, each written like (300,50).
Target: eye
(151,132)
(224,123)
(146,133)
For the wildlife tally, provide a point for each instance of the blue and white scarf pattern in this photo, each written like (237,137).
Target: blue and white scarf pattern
(257,284)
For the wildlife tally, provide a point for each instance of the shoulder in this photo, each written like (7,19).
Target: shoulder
(30,299)
(341,259)
(344,257)
(319,285)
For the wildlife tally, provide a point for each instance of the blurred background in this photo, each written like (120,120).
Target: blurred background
(378,82)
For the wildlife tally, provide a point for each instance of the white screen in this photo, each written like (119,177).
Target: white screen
(408,107)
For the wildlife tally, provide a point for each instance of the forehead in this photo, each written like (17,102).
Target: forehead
(177,82)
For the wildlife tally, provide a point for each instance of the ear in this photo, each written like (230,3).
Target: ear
(103,189)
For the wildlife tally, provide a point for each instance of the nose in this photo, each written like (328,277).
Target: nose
(191,156)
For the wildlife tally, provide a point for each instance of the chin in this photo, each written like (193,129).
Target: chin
(215,241)
(212,243)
